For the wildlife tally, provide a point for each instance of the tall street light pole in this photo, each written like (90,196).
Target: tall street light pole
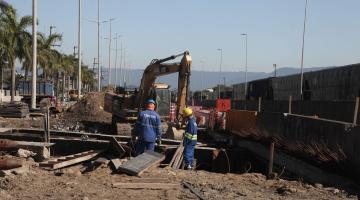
(116,55)
(110,20)
(220,72)
(79,51)
(201,76)
(246,69)
(34,53)
(302,53)
(98,45)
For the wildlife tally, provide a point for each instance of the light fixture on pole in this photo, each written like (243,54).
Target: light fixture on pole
(246,70)
(302,54)
(51,28)
(221,54)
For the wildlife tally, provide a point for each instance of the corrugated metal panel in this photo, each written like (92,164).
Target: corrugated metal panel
(241,122)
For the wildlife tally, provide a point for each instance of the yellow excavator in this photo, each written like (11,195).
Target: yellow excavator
(128,102)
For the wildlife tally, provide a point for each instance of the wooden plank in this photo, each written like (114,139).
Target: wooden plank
(78,158)
(34,144)
(141,163)
(356,110)
(116,148)
(175,155)
(193,190)
(158,186)
(116,162)
(150,180)
(178,158)
(5,130)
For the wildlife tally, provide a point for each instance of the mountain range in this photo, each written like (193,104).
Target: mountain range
(206,79)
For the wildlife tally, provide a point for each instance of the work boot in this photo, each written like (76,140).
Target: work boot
(189,167)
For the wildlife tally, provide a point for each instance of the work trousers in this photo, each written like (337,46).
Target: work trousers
(142,145)
(189,154)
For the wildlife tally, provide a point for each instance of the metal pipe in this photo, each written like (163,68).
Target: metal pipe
(9,163)
(6,145)
(34,54)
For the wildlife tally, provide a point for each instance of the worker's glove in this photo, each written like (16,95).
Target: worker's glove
(158,141)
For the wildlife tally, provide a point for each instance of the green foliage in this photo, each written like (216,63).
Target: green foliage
(16,44)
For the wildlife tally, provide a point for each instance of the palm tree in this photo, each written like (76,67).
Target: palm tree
(48,57)
(88,78)
(68,65)
(16,40)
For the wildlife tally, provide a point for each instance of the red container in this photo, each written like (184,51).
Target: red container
(223,105)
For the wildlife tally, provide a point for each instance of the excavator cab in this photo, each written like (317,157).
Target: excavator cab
(160,92)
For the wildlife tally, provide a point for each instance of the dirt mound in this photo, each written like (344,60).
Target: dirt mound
(90,108)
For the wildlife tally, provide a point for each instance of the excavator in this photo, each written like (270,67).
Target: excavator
(128,102)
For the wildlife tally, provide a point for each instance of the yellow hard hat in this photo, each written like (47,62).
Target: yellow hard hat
(187,112)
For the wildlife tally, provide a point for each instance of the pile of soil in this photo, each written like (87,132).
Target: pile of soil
(87,115)
(90,108)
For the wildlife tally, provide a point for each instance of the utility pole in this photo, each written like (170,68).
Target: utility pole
(121,61)
(79,52)
(274,69)
(219,93)
(110,20)
(246,57)
(124,68)
(116,55)
(201,76)
(34,54)
(98,46)
(94,63)
(302,54)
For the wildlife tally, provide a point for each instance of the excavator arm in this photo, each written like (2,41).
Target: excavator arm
(158,68)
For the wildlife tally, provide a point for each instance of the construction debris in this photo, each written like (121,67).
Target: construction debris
(193,190)
(138,165)
(176,160)
(14,110)
(69,160)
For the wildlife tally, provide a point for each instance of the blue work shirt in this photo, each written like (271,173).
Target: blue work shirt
(148,126)
(190,137)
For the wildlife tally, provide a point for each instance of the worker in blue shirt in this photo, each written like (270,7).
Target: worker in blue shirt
(147,128)
(190,138)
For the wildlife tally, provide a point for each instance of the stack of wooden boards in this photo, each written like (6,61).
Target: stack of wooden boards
(178,157)
(14,110)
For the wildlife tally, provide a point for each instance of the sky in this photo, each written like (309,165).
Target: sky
(160,28)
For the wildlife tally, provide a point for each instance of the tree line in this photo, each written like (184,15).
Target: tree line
(55,67)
